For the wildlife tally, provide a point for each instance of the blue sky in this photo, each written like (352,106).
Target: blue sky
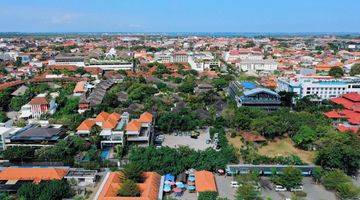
(180,15)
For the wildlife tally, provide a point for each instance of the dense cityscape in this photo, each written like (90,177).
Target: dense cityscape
(184,117)
(179,100)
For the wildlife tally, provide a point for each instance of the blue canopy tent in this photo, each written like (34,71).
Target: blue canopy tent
(169,177)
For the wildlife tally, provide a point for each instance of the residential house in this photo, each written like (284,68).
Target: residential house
(140,130)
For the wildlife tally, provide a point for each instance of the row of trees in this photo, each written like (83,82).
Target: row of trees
(275,124)
(56,190)
(64,151)
(339,182)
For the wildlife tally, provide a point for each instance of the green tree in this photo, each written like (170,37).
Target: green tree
(133,172)
(3,117)
(304,137)
(56,190)
(336,72)
(339,151)
(18,153)
(341,183)
(29,191)
(129,189)
(208,196)
(348,191)
(355,69)
(247,192)
(317,174)
(5,196)
(187,87)
(17,102)
(332,179)
(290,178)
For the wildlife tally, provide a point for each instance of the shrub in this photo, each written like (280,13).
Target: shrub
(208,196)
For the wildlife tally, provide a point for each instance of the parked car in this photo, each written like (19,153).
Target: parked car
(234,184)
(160,138)
(297,189)
(279,188)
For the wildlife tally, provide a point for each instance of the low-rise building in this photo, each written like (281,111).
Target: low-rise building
(110,64)
(68,59)
(36,136)
(149,188)
(246,94)
(81,177)
(140,130)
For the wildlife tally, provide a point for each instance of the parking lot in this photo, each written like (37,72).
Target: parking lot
(313,191)
(175,141)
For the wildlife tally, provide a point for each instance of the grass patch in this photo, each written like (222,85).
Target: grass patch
(285,147)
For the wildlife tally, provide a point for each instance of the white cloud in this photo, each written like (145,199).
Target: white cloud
(63,19)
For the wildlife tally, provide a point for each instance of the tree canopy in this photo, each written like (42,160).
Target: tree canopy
(339,151)
(336,72)
(355,69)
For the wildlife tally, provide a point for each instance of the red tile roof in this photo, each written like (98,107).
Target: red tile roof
(38,101)
(353,96)
(86,125)
(102,117)
(205,181)
(149,189)
(146,117)
(32,174)
(112,121)
(343,128)
(133,125)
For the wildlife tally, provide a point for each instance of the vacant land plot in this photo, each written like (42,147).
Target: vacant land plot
(285,147)
(235,141)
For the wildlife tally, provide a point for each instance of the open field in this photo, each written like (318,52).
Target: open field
(285,147)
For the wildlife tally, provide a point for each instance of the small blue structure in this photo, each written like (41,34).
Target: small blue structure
(169,177)
(248,85)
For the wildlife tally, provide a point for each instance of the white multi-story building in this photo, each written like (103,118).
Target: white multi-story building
(203,61)
(110,64)
(324,87)
(180,57)
(163,57)
(244,54)
(68,60)
(257,65)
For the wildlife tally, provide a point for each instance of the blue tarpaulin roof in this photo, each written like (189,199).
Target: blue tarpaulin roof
(169,177)
(248,85)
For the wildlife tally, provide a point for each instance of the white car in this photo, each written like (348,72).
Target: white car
(234,184)
(279,188)
(297,189)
